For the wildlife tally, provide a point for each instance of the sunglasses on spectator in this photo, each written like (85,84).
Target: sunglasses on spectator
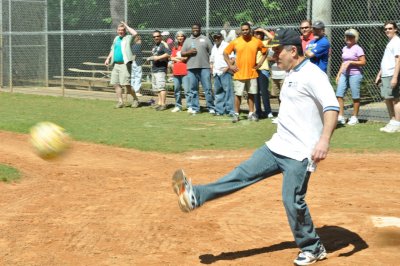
(388,29)
(303,28)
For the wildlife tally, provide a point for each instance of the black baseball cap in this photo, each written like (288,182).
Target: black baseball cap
(285,37)
(216,35)
(318,24)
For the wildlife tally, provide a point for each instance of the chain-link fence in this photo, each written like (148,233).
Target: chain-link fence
(63,43)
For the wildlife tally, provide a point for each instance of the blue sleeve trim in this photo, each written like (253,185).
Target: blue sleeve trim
(331,108)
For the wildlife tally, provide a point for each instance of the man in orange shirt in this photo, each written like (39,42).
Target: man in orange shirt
(306,33)
(245,68)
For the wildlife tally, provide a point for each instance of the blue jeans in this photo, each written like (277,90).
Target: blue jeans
(262,93)
(263,164)
(136,77)
(354,81)
(202,75)
(223,90)
(179,82)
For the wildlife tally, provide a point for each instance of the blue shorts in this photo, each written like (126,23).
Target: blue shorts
(346,81)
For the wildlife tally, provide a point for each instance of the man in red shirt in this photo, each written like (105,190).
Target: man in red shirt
(306,33)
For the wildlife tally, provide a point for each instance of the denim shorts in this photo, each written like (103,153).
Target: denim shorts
(346,81)
(387,92)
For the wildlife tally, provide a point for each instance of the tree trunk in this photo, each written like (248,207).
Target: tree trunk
(117,12)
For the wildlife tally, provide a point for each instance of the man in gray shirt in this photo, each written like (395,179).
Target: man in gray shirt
(197,49)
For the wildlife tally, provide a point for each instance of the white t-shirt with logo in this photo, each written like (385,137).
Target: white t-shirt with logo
(389,61)
(306,94)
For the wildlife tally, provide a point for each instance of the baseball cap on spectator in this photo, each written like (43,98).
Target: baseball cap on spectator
(216,35)
(318,24)
(165,33)
(352,32)
(285,37)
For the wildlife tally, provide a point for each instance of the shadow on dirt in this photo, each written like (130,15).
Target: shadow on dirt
(333,237)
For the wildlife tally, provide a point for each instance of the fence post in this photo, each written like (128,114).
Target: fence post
(1,45)
(10,46)
(207,17)
(46,44)
(62,46)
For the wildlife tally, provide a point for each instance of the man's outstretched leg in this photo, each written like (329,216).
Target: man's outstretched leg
(260,165)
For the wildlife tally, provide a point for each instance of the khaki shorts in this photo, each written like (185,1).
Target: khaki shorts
(248,85)
(158,81)
(276,87)
(121,74)
(387,92)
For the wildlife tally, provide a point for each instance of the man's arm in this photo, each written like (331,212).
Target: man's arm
(107,62)
(322,47)
(395,77)
(321,149)
(378,77)
(129,29)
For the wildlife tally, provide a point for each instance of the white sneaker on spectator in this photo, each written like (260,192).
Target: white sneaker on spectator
(353,121)
(189,110)
(341,120)
(252,117)
(212,111)
(270,115)
(176,109)
(275,120)
(389,128)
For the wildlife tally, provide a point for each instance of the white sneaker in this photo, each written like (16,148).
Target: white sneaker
(190,110)
(341,120)
(176,109)
(270,115)
(389,128)
(183,188)
(307,258)
(353,121)
(212,111)
(275,120)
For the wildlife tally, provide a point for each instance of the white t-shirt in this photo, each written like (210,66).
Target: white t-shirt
(217,58)
(229,36)
(276,72)
(306,94)
(388,61)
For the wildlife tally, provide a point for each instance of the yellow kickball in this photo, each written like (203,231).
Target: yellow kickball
(49,140)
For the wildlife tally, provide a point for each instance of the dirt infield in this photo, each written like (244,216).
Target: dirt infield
(101,205)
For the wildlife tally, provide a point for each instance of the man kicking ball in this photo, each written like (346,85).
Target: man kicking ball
(307,118)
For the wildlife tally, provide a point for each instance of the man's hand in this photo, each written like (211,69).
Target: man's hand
(233,68)
(320,151)
(107,62)
(256,67)
(393,82)
(192,52)
(150,58)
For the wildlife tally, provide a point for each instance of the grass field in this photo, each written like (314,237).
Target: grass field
(106,205)
(145,129)
(8,173)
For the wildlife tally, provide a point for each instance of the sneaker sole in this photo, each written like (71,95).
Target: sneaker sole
(178,187)
(178,181)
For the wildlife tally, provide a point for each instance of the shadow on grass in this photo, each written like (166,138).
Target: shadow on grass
(334,238)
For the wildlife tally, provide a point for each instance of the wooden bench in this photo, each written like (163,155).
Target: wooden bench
(103,73)
(90,82)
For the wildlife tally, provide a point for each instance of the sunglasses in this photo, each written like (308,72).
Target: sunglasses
(303,28)
(385,29)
